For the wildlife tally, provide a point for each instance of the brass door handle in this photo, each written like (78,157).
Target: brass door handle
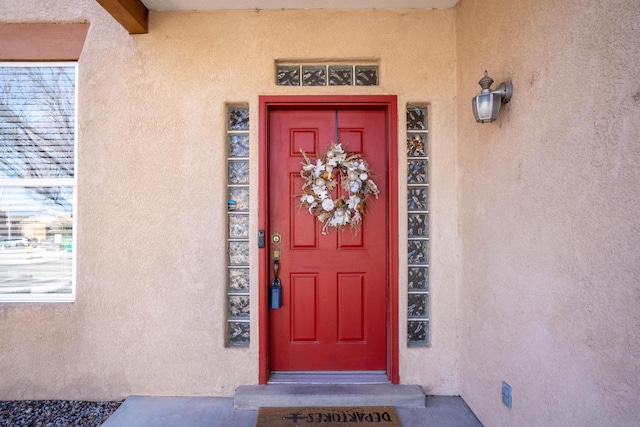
(275,296)
(276,286)
(275,255)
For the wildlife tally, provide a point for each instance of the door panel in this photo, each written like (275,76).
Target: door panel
(333,314)
(351,307)
(301,225)
(304,316)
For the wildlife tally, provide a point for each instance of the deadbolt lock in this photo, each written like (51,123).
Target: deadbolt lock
(276,238)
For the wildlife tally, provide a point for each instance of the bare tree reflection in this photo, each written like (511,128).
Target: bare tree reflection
(37,107)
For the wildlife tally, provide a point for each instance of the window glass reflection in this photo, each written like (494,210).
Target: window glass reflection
(36,240)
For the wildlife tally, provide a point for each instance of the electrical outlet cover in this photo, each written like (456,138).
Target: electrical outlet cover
(506,394)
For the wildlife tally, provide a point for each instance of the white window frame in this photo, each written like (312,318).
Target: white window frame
(52,182)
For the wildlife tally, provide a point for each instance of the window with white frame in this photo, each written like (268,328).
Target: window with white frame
(38,179)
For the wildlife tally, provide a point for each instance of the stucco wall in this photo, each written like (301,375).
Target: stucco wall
(150,310)
(549,202)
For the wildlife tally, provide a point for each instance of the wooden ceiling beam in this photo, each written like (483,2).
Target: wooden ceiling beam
(131,14)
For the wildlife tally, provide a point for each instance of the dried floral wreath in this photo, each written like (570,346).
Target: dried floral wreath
(321,179)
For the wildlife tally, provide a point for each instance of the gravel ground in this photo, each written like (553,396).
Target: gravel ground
(55,413)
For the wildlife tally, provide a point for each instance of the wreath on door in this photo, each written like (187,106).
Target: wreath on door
(322,177)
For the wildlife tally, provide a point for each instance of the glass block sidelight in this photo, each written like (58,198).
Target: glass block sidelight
(238,253)
(238,280)
(416,145)
(417,198)
(238,272)
(416,118)
(417,171)
(238,145)
(418,278)
(238,119)
(239,197)
(418,251)
(418,332)
(238,226)
(239,172)
(418,306)
(238,333)
(238,306)
(417,226)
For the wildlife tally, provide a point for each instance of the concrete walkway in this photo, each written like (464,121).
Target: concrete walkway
(145,411)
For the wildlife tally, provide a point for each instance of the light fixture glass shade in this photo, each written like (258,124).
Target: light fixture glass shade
(486,107)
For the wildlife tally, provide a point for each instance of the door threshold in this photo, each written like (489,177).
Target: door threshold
(328,377)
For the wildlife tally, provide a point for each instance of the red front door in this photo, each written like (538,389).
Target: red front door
(334,287)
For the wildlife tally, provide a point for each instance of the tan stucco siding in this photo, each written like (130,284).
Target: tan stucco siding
(543,292)
(549,213)
(150,311)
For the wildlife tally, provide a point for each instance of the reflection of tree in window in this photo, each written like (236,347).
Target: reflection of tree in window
(37,107)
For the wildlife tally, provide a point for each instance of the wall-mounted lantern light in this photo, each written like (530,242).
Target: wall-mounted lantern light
(486,104)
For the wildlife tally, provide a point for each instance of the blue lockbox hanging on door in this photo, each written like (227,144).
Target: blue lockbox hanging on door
(275,293)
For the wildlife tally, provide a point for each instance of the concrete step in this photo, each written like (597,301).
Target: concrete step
(279,395)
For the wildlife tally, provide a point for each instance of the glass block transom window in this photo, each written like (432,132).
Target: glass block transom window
(327,75)
(238,307)
(417,226)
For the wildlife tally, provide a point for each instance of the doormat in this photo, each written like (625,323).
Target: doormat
(335,416)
